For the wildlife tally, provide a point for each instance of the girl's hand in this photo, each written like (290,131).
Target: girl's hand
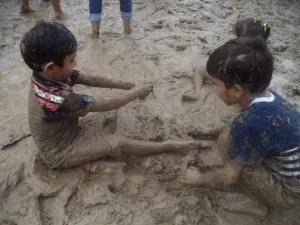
(128,85)
(145,91)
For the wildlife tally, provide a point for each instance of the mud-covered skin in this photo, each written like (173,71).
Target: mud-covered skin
(148,191)
(55,126)
(54,111)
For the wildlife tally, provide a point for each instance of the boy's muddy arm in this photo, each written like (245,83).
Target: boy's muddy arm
(103,82)
(101,105)
(218,178)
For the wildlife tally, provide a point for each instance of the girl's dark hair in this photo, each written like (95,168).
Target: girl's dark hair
(47,42)
(246,62)
(251,27)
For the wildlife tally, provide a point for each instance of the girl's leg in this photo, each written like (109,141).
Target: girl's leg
(260,183)
(57,9)
(95,7)
(126,14)
(25,7)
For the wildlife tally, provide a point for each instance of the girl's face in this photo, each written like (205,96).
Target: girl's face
(229,96)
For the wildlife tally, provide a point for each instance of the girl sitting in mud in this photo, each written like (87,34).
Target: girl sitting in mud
(49,49)
(263,153)
(249,27)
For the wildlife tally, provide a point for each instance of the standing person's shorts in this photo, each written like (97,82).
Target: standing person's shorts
(95,7)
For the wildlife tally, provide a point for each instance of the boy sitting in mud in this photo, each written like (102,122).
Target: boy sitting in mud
(249,27)
(49,49)
(263,150)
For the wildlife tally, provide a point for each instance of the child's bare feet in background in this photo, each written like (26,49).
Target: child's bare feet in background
(25,7)
(26,10)
(57,10)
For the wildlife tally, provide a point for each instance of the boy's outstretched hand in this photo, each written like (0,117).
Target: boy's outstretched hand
(145,91)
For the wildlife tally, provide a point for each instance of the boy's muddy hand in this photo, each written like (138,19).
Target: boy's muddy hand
(191,177)
(145,91)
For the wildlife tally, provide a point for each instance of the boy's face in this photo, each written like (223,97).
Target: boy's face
(62,73)
(229,96)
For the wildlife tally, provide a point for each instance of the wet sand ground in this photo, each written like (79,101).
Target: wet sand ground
(169,39)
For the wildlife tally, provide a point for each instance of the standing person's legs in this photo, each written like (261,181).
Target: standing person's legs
(95,7)
(126,14)
(57,9)
(25,7)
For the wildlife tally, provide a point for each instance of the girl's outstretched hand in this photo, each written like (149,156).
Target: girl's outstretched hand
(128,85)
(145,91)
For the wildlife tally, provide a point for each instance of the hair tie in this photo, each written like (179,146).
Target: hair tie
(265,26)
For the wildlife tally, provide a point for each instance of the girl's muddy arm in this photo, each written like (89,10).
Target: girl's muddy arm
(217,178)
(101,105)
(94,81)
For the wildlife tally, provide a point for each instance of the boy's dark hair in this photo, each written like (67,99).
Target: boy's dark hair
(251,27)
(47,42)
(246,62)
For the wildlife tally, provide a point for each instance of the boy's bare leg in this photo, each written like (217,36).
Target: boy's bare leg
(136,147)
(127,27)
(57,10)
(25,7)
(91,147)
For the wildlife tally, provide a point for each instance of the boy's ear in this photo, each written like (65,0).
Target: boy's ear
(48,68)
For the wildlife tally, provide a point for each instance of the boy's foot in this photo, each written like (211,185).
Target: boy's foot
(26,10)
(183,147)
